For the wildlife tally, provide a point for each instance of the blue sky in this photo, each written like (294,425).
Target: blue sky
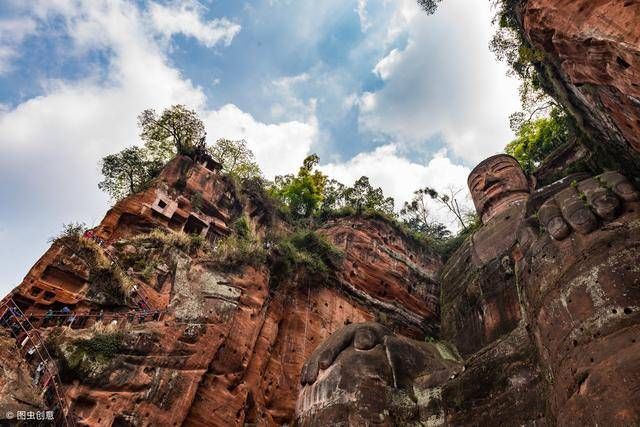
(375,87)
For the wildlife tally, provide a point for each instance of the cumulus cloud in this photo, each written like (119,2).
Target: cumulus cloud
(186,18)
(279,148)
(443,82)
(51,143)
(399,177)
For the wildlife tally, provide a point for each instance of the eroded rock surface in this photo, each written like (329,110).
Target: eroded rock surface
(540,303)
(228,348)
(593,65)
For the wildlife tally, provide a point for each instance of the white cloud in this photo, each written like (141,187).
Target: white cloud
(361,9)
(387,65)
(285,102)
(50,144)
(12,33)
(279,148)
(444,81)
(367,102)
(186,18)
(400,177)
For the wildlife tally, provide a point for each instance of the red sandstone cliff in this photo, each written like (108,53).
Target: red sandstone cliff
(592,66)
(229,346)
(163,333)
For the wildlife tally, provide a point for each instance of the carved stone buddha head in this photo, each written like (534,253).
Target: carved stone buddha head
(495,184)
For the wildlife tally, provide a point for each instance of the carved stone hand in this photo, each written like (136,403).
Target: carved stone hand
(581,207)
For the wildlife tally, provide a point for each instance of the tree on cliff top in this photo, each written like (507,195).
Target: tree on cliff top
(542,124)
(128,171)
(177,130)
(416,215)
(302,193)
(235,157)
(364,197)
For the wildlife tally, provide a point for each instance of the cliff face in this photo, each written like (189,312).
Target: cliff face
(154,318)
(165,333)
(592,64)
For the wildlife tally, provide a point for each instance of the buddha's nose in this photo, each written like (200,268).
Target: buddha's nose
(489,181)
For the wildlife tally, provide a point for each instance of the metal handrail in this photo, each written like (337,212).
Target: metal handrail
(8,303)
(40,348)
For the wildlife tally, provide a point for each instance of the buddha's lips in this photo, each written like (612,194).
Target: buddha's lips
(490,202)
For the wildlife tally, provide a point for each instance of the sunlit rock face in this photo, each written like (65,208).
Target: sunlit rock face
(583,305)
(540,304)
(592,62)
(389,272)
(229,347)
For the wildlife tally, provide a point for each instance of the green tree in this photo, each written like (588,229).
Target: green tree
(333,197)
(128,171)
(416,215)
(302,193)
(536,139)
(429,6)
(236,158)
(364,197)
(177,130)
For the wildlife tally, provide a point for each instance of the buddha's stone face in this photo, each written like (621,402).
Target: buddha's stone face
(495,184)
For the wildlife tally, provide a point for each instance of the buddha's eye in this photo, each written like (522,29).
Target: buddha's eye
(501,167)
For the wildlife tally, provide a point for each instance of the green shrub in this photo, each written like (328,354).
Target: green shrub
(101,345)
(70,232)
(160,239)
(303,255)
(109,285)
(241,228)
(196,200)
(86,359)
(234,252)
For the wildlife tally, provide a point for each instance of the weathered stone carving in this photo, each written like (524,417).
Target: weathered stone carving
(547,287)
(366,368)
(497,183)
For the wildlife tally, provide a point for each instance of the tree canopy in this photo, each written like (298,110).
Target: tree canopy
(417,217)
(235,157)
(178,130)
(302,193)
(536,139)
(429,6)
(128,171)
(542,125)
(364,197)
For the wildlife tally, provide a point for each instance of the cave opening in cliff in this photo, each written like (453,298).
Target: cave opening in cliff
(63,279)
(194,225)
